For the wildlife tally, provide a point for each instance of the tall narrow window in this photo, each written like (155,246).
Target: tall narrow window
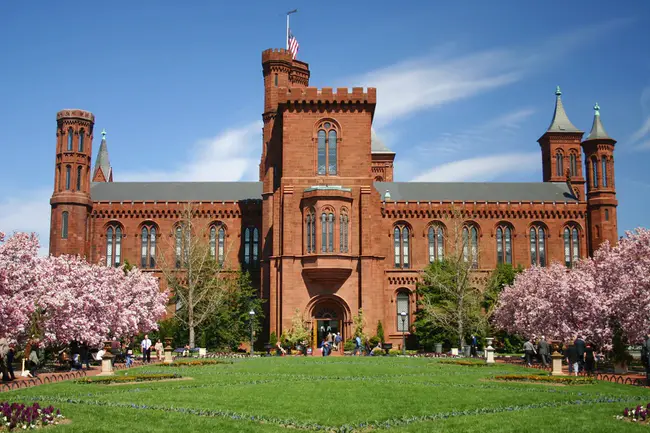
(275,80)
(470,245)
(213,241)
(574,164)
(79,169)
(247,246)
(594,172)
(330,232)
(64,225)
(148,246)
(606,214)
(327,149)
(405,248)
(343,232)
(571,246)
(558,164)
(397,234)
(537,246)
(308,231)
(251,246)
(70,137)
(179,246)
(67,177)
(436,247)
(504,245)
(604,170)
(323,226)
(81,141)
(403,305)
(114,245)
(401,242)
(256,246)
(217,242)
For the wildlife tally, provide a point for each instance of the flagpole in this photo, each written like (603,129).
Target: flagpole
(287,39)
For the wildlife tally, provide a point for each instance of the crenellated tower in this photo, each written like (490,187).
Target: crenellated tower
(71,202)
(601,188)
(103,171)
(561,155)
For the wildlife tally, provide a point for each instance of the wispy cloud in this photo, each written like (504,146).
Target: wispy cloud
(229,156)
(481,169)
(643,131)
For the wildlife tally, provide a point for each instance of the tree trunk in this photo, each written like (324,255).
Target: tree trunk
(191,336)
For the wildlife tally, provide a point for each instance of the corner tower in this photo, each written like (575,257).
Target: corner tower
(71,202)
(561,155)
(601,189)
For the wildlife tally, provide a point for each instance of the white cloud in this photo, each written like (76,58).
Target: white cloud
(28,211)
(481,169)
(229,156)
(642,131)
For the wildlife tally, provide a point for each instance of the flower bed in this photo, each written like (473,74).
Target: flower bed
(562,380)
(638,414)
(128,378)
(21,417)
(465,363)
(196,363)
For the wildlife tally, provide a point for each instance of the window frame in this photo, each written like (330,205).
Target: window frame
(537,244)
(113,247)
(327,138)
(148,241)
(504,243)
(571,242)
(64,224)
(559,163)
(70,144)
(435,242)
(251,247)
(471,251)
(217,233)
(403,296)
(80,143)
(402,233)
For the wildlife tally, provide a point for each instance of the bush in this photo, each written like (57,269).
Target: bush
(127,378)
(380,331)
(564,380)
(377,351)
(374,341)
(349,346)
(196,363)
(464,362)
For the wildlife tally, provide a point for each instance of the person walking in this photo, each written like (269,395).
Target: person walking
(32,348)
(589,359)
(159,350)
(645,357)
(4,352)
(146,349)
(579,343)
(337,342)
(357,346)
(473,347)
(573,360)
(543,351)
(84,351)
(529,351)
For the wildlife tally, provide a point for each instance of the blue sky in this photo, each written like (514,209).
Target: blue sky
(464,88)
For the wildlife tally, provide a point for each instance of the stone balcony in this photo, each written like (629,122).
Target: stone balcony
(327,267)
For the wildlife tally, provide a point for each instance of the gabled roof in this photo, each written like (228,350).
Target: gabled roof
(376,145)
(102,163)
(597,129)
(560,122)
(175,191)
(477,191)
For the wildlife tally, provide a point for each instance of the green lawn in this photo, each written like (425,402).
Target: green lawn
(337,394)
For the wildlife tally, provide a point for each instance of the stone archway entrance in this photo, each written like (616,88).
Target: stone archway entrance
(329,314)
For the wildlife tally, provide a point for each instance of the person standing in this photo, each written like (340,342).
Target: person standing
(146,348)
(645,355)
(589,359)
(357,345)
(529,351)
(337,342)
(84,351)
(159,349)
(473,347)
(572,359)
(579,343)
(4,363)
(543,351)
(33,357)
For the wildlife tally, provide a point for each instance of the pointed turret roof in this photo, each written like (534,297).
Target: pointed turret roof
(597,130)
(376,144)
(102,163)
(560,122)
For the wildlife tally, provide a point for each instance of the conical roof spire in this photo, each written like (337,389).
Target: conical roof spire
(560,122)
(102,164)
(597,129)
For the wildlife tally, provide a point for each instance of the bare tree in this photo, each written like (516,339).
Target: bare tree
(448,298)
(195,275)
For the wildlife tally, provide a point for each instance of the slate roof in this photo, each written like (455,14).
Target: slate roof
(376,145)
(560,122)
(475,191)
(102,163)
(597,128)
(175,191)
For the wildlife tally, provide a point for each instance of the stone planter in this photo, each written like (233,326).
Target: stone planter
(107,360)
(168,351)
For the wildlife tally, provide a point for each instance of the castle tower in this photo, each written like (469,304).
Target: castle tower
(601,189)
(70,200)
(561,155)
(103,171)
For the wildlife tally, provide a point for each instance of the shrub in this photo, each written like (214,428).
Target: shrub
(464,362)
(21,417)
(374,341)
(349,346)
(377,351)
(197,363)
(380,331)
(564,380)
(273,338)
(394,352)
(128,378)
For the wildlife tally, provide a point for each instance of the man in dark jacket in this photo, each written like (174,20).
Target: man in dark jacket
(645,354)
(580,350)
(543,350)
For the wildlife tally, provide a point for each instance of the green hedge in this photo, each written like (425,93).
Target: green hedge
(128,378)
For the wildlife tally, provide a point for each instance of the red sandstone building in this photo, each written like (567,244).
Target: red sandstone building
(326,231)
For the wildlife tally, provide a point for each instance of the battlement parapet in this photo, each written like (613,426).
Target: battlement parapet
(74,113)
(327,94)
(276,54)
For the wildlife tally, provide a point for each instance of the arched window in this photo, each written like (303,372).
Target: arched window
(327,145)
(81,141)
(571,245)
(70,137)
(182,245)
(67,177)
(559,168)
(470,245)
(79,178)
(403,306)
(594,172)
(64,225)
(217,242)
(251,247)
(343,231)
(537,246)
(504,244)
(573,159)
(604,171)
(114,245)
(310,231)
(148,246)
(435,236)
(401,242)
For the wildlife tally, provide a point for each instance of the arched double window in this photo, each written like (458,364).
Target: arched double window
(559,163)
(327,148)
(504,244)
(537,245)
(573,161)
(218,242)
(70,138)
(343,231)
(148,246)
(64,225)
(68,173)
(571,245)
(251,246)
(310,231)
(403,306)
(182,244)
(79,175)
(435,236)
(470,245)
(604,170)
(81,141)
(401,235)
(594,172)
(114,245)
(327,232)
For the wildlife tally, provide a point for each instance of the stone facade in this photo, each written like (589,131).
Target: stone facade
(326,232)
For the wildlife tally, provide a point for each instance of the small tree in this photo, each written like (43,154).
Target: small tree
(380,331)
(299,332)
(359,321)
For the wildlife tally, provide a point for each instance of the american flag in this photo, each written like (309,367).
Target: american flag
(293,45)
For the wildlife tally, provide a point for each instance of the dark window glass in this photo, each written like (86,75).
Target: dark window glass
(403,305)
(558,164)
(574,165)
(79,178)
(322,152)
(109,246)
(81,141)
(67,177)
(405,247)
(332,154)
(64,225)
(594,172)
(604,170)
(144,247)
(70,137)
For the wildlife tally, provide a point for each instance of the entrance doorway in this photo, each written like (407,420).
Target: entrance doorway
(324,327)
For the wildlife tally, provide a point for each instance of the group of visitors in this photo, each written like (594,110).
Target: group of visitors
(8,354)
(579,355)
(331,342)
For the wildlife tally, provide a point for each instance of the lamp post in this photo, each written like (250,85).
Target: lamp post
(252,314)
(403,316)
